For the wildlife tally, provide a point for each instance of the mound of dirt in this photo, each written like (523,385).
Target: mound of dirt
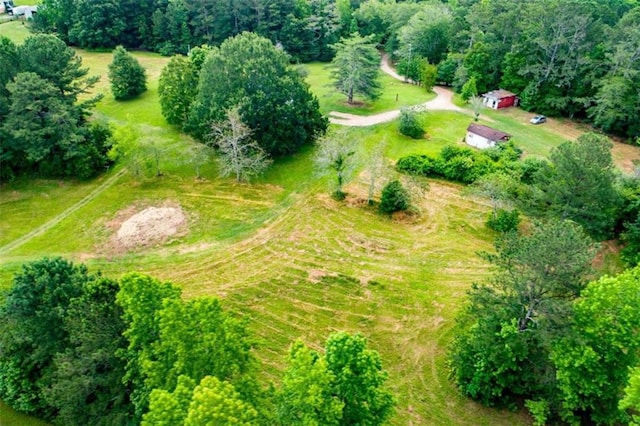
(150,226)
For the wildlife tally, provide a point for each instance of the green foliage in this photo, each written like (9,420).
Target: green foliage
(43,128)
(336,154)
(33,330)
(427,33)
(170,408)
(447,69)
(86,386)
(581,186)
(177,88)
(274,100)
(418,70)
(593,362)
(141,297)
(506,334)
(59,333)
(394,197)
(359,380)
(630,237)
(616,101)
(418,165)
(306,396)
(409,125)
(631,400)
(355,68)
(127,76)
(197,339)
(469,89)
(504,220)
(217,402)
(458,164)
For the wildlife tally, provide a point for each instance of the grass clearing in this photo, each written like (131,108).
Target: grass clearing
(281,253)
(15,30)
(330,100)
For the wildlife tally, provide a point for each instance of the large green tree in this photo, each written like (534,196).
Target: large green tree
(128,78)
(554,57)
(275,102)
(505,334)
(33,331)
(42,121)
(359,380)
(141,297)
(355,68)
(177,88)
(581,185)
(86,385)
(593,361)
(306,396)
(346,386)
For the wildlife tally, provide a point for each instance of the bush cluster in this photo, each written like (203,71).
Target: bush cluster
(460,164)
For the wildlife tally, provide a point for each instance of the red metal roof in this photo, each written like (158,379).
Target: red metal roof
(499,94)
(488,132)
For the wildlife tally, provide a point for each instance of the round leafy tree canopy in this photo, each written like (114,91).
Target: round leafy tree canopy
(275,102)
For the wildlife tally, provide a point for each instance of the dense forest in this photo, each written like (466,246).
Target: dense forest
(571,58)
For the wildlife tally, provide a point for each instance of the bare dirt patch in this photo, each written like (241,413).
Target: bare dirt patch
(625,156)
(142,227)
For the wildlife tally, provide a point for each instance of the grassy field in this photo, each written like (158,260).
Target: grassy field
(282,253)
(394,96)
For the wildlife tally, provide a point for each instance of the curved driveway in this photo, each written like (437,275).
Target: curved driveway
(443,101)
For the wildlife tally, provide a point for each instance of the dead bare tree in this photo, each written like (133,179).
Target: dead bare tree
(238,154)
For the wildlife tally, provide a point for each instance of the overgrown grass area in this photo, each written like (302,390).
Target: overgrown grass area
(282,253)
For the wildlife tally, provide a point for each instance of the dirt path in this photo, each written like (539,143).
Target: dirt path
(59,218)
(443,101)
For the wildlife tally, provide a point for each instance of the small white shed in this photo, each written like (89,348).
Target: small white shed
(26,11)
(483,137)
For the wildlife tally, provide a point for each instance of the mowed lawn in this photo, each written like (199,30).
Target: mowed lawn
(283,254)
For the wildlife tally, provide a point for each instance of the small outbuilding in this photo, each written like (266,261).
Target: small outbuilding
(484,137)
(25,11)
(500,98)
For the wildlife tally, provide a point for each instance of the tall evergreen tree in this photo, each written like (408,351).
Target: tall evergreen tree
(355,68)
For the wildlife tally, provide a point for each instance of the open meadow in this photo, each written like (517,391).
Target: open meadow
(280,251)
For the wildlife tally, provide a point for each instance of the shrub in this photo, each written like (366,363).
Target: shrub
(420,165)
(504,220)
(394,198)
(409,125)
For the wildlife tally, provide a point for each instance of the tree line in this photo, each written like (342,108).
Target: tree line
(304,28)
(79,348)
(569,58)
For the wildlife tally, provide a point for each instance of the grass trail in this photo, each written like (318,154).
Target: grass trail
(60,217)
